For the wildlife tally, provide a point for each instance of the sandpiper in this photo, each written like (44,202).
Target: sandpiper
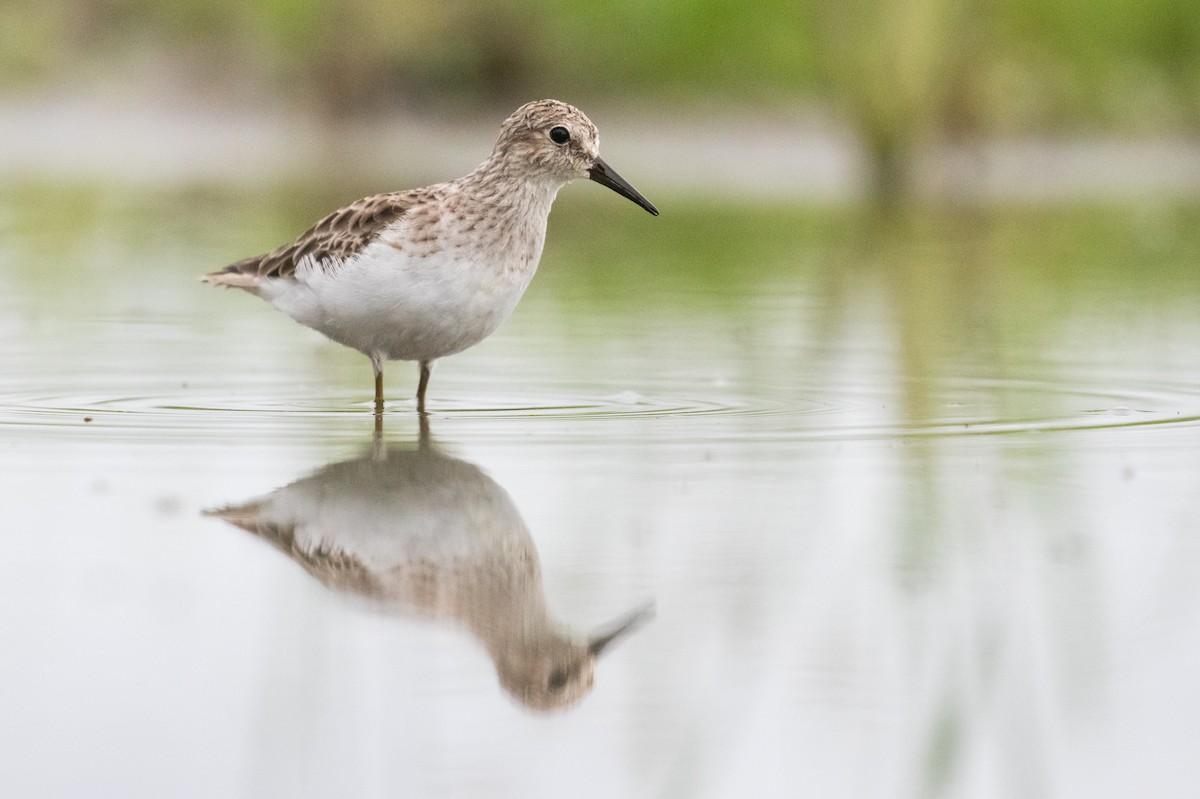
(417,275)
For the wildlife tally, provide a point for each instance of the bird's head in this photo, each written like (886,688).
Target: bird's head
(551,672)
(556,141)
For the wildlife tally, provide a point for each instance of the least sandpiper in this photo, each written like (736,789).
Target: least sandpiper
(417,275)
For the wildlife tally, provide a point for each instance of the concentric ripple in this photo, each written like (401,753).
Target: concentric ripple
(858,410)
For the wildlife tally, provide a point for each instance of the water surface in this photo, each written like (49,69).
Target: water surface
(914,503)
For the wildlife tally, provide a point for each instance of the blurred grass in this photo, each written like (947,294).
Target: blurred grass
(895,63)
(898,73)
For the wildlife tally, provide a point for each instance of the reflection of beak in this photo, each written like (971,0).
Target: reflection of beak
(621,628)
(605,175)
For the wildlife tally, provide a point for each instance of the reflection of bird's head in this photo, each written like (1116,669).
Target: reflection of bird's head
(554,673)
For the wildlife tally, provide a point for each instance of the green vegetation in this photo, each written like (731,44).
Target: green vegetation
(900,72)
(946,64)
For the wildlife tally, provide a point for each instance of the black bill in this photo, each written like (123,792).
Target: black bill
(603,174)
(625,625)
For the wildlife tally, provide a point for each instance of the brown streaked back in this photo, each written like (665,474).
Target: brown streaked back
(336,237)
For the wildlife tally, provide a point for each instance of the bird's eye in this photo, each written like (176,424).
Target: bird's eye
(559,134)
(557,681)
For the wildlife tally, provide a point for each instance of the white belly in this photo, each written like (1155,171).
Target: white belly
(401,307)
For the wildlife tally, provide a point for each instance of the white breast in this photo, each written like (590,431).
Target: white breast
(409,306)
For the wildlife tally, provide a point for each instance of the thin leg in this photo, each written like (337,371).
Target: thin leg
(377,365)
(426,369)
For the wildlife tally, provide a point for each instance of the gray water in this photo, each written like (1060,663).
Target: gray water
(901,510)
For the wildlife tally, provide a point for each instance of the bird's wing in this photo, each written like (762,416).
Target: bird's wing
(330,241)
(335,568)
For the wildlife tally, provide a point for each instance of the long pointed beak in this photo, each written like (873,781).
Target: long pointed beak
(605,175)
(621,628)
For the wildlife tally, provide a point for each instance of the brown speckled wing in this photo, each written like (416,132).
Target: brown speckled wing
(333,239)
(338,570)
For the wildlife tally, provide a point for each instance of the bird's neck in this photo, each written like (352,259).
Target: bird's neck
(499,186)
(505,211)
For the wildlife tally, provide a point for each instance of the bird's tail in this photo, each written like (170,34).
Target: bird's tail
(232,280)
(250,517)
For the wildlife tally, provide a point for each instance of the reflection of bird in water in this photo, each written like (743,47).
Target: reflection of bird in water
(419,531)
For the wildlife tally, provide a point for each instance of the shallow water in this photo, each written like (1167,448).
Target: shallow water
(914,502)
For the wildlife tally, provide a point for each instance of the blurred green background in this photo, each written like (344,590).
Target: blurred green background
(960,433)
(898,74)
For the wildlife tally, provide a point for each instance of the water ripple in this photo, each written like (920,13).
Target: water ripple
(853,411)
